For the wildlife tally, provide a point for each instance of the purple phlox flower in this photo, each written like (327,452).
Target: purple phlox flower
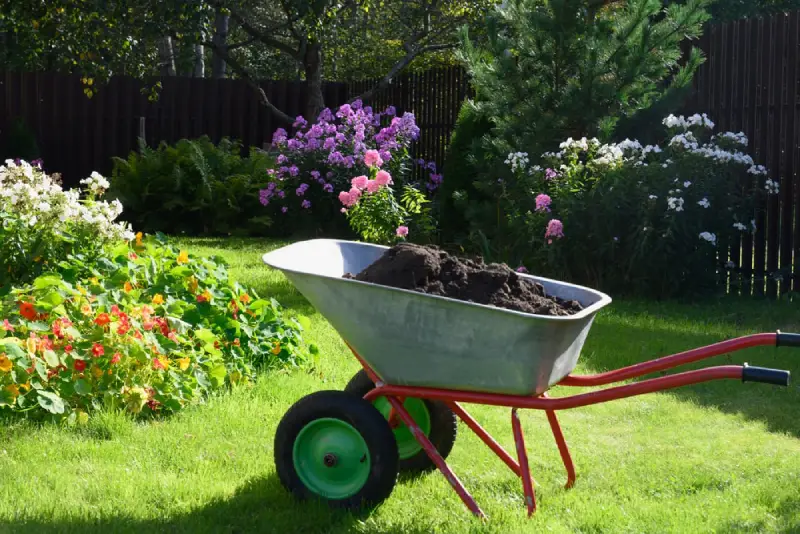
(397,122)
(299,122)
(521,269)
(282,159)
(283,170)
(421,162)
(300,191)
(294,144)
(299,134)
(306,204)
(271,186)
(385,155)
(359,148)
(37,163)
(279,136)
(328,188)
(543,202)
(432,166)
(344,111)
(357,104)
(330,129)
(264,196)
(281,194)
(284,209)
(271,172)
(349,161)
(555,228)
(436,178)
(550,174)
(326,115)
(391,111)
(315,174)
(329,143)
(335,157)
(329,174)
(340,138)
(293,170)
(312,144)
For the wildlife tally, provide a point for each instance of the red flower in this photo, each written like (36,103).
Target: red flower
(216,345)
(79,365)
(236,342)
(7,326)
(68,349)
(116,358)
(148,324)
(132,255)
(103,319)
(157,364)
(123,328)
(202,298)
(115,310)
(173,335)
(98,350)
(137,335)
(27,310)
(153,404)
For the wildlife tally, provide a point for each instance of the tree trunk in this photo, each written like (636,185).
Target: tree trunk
(166,54)
(199,61)
(312,63)
(221,42)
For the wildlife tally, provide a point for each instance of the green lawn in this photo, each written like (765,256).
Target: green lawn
(718,457)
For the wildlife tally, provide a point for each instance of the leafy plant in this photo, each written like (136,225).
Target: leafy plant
(193,187)
(148,329)
(650,220)
(41,224)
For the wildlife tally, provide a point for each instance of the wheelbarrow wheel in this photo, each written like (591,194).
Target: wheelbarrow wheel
(337,448)
(436,420)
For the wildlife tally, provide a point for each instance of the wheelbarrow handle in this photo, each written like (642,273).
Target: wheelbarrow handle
(785,339)
(765,375)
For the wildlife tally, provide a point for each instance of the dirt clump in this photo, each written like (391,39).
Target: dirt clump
(430,270)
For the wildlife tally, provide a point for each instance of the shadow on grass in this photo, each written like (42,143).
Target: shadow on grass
(261,505)
(613,343)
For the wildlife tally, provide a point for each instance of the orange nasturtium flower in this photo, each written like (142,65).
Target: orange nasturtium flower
(158,299)
(276,349)
(128,287)
(13,389)
(193,284)
(96,371)
(138,239)
(27,310)
(5,363)
(245,298)
(183,257)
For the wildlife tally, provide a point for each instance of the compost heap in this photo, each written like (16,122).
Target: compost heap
(430,270)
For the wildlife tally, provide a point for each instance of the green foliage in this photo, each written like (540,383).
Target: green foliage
(573,68)
(726,10)
(193,187)
(146,328)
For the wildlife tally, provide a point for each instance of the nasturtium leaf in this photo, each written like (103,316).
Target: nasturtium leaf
(51,358)
(39,326)
(46,281)
(51,402)
(12,350)
(82,387)
(41,370)
(205,335)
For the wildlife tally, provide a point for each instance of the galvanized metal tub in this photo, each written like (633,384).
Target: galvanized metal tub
(415,339)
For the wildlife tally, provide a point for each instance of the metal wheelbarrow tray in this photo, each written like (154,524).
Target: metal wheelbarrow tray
(425,354)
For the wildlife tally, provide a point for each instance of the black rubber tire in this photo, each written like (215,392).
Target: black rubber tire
(363,417)
(444,426)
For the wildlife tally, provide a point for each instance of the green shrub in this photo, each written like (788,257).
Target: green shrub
(193,188)
(20,143)
(654,221)
(41,224)
(147,329)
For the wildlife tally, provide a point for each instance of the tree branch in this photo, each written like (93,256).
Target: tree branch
(399,66)
(259,35)
(242,44)
(236,67)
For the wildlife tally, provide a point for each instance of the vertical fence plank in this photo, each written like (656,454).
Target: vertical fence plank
(790,242)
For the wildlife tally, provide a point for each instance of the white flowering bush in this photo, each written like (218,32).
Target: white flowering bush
(41,224)
(654,220)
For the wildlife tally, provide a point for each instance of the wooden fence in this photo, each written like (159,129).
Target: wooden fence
(751,83)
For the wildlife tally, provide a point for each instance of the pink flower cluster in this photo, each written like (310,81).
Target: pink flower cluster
(543,202)
(359,184)
(555,229)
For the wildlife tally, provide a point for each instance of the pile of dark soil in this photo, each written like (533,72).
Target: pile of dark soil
(435,272)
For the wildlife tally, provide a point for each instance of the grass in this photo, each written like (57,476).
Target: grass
(716,457)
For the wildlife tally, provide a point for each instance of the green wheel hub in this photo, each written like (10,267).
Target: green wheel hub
(331,458)
(407,445)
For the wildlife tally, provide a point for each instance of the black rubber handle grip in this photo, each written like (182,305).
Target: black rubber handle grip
(765,375)
(788,340)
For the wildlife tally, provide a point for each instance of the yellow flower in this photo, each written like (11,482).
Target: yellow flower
(193,284)
(30,344)
(158,299)
(276,349)
(128,287)
(183,257)
(86,309)
(5,363)
(183,363)
(164,361)
(81,290)
(13,389)
(96,371)
(37,259)
(138,239)
(94,281)
(26,386)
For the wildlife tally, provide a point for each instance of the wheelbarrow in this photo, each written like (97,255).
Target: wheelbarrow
(424,355)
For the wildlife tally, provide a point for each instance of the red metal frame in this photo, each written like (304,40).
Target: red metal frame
(397,394)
